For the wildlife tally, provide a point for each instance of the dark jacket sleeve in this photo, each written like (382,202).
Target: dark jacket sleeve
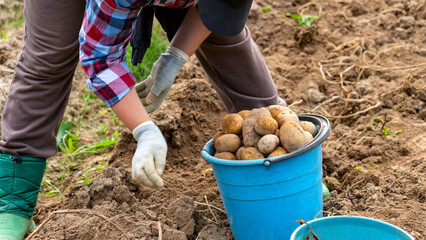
(170,20)
(141,38)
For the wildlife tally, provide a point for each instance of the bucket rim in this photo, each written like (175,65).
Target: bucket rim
(321,136)
(345,217)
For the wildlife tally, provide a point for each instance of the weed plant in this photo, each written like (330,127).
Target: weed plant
(384,128)
(307,20)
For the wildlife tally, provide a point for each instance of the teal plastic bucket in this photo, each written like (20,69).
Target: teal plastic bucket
(263,198)
(350,227)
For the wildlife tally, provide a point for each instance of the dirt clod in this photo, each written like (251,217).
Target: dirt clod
(181,212)
(332,183)
(315,96)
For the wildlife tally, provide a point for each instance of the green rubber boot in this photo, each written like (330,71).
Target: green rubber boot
(20,179)
(14,227)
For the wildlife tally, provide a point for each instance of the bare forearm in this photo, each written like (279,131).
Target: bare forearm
(191,33)
(130,110)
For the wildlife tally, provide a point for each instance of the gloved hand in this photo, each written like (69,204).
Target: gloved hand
(154,89)
(150,156)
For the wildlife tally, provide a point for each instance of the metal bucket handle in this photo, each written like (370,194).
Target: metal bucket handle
(324,131)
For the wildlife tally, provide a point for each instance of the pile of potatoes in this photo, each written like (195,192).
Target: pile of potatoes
(260,133)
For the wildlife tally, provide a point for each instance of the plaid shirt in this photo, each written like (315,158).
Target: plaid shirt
(104,35)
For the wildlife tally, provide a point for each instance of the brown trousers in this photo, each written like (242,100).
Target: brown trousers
(43,76)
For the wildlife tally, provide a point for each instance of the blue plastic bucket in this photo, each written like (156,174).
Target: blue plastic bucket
(349,227)
(263,198)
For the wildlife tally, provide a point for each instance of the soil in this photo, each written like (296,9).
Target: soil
(370,52)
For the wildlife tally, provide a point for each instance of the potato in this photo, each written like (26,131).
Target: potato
(277,152)
(225,155)
(310,127)
(277,109)
(251,137)
(232,123)
(308,136)
(219,134)
(228,143)
(239,151)
(250,153)
(284,117)
(288,110)
(266,125)
(268,143)
(292,136)
(243,113)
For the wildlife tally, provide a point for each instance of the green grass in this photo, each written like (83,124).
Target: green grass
(94,119)
(361,169)
(17,18)
(266,9)
(158,46)
(307,20)
(3,34)
(69,142)
(384,128)
(18,22)
(403,109)
(52,188)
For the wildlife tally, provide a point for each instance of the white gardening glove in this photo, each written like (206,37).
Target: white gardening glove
(150,156)
(153,90)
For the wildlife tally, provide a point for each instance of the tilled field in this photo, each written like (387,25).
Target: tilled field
(361,60)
